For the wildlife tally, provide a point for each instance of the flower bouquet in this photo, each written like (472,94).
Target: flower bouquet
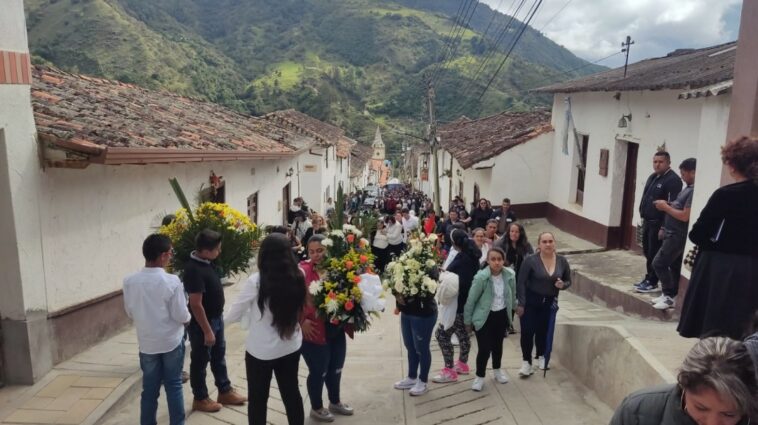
(349,293)
(414,273)
(237,231)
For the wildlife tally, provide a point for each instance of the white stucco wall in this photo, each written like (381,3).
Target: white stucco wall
(521,174)
(21,253)
(94,220)
(657,117)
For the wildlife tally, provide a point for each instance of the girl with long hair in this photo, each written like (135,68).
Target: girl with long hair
(488,309)
(540,279)
(465,265)
(273,301)
(324,345)
(479,238)
(516,245)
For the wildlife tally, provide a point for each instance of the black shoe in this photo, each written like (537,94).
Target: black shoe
(643,282)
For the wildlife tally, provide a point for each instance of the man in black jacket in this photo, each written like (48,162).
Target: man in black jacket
(663,184)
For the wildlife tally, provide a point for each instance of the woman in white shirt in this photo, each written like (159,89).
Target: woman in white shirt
(273,301)
(394,236)
(379,247)
(478,235)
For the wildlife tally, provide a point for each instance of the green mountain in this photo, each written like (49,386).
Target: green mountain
(354,63)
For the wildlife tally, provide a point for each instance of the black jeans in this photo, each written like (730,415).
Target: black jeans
(490,341)
(534,324)
(381,258)
(202,355)
(325,363)
(650,246)
(259,383)
(668,262)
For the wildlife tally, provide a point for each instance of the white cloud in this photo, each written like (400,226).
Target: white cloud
(593,29)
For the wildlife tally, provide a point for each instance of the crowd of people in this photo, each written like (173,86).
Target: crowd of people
(489,273)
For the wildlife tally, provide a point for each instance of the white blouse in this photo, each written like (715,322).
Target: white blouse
(498,289)
(263,341)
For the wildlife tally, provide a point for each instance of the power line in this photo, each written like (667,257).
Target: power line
(461,30)
(556,14)
(450,34)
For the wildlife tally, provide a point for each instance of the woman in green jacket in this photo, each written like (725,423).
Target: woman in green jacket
(491,300)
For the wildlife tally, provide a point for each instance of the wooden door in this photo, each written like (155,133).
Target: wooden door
(628,231)
(285,203)
(252,207)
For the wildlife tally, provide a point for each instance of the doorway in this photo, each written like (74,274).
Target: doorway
(252,207)
(477,194)
(628,232)
(285,203)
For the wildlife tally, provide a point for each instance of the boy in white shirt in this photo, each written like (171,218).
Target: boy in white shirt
(156,303)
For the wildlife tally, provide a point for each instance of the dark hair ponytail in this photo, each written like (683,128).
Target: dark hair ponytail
(465,244)
(282,285)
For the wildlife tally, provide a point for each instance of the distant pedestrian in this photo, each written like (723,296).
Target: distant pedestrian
(272,300)
(540,279)
(668,261)
(394,236)
(206,329)
(491,301)
(481,214)
(504,216)
(156,303)
(664,184)
(723,291)
(379,247)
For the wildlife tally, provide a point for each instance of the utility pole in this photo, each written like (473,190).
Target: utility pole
(625,46)
(433,144)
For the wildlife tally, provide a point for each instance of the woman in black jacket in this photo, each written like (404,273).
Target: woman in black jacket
(716,385)
(481,214)
(723,292)
(465,265)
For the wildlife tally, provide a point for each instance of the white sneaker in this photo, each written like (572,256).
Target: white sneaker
(526,369)
(664,304)
(405,384)
(454,340)
(656,300)
(418,389)
(478,384)
(501,377)
(541,362)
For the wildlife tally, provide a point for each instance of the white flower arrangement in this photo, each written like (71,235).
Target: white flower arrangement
(327,242)
(408,275)
(315,287)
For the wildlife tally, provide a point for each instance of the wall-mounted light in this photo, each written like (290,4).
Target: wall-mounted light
(625,120)
(290,172)
(458,172)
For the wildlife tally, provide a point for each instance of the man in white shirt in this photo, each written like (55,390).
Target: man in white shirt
(156,303)
(410,224)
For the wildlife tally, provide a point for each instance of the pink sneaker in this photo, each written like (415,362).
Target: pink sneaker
(462,368)
(445,375)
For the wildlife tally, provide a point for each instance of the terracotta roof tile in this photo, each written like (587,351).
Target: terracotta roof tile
(328,133)
(473,141)
(359,157)
(95,113)
(344,145)
(681,69)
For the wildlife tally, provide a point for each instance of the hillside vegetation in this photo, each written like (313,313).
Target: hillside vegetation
(354,63)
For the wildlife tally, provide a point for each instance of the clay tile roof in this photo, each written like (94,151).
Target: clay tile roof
(359,157)
(473,141)
(680,69)
(328,133)
(344,145)
(97,116)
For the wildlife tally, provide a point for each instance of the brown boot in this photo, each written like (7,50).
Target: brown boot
(231,397)
(206,405)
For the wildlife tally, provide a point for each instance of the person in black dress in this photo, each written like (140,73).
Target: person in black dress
(723,292)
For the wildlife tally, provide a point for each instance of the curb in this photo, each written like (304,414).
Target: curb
(617,300)
(128,389)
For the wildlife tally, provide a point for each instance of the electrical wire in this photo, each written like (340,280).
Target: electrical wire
(461,30)
(553,17)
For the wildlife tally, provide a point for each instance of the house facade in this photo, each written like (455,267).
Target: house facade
(359,166)
(84,170)
(493,157)
(608,127)
(326,166)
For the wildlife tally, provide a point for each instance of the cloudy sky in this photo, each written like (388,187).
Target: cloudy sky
(593,29)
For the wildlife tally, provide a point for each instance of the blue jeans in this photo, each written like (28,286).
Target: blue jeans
(325,364)
(201,355)
(417,335)
(166,369)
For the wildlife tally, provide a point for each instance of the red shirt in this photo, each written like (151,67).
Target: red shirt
(309,311)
